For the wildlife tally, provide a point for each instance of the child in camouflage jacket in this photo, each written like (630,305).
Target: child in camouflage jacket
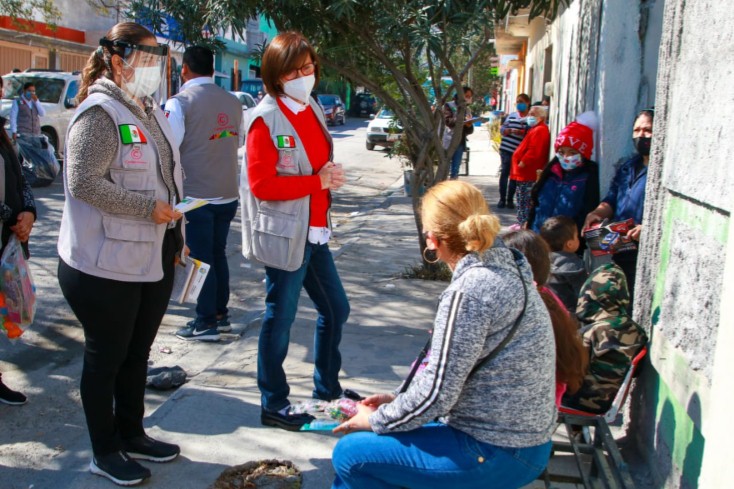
(610,335)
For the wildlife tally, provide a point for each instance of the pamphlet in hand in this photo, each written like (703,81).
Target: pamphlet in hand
(607,238)
(188,280)
(190,203)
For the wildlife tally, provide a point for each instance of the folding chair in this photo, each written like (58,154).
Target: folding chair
(607,468)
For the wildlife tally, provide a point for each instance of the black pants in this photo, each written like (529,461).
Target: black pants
(120,321)
(506,194)
(627,261)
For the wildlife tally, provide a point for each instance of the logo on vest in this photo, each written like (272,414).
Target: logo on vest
(135,157)
(225,130)
(286,161)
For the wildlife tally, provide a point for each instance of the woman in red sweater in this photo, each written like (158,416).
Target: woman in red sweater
(291,173)
(529,159)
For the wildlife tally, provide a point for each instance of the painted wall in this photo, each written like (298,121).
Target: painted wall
(684,248)
(604,59)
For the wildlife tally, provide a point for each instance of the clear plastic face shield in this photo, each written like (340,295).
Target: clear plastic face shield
(143,66)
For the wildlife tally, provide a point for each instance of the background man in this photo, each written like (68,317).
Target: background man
(207,122)
(26,113)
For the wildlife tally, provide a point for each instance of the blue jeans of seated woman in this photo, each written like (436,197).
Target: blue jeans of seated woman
(319,277)
(434,455)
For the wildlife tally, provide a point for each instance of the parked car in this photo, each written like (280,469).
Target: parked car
(363,105)
(383,130)
(248,102)
(57,92)
(333,108)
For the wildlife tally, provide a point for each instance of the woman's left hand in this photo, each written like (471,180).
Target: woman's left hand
(358,422)
(23,227)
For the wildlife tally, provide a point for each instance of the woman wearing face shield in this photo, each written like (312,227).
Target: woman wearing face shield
(118,242)
(286,197)
(626,196)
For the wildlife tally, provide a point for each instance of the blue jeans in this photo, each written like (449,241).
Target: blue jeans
(456,161)
(206,235)
(434,455)
(319,277)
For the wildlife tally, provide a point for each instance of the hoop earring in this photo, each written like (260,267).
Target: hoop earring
(426,259)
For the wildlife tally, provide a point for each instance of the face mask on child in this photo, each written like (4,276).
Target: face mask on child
(569,162)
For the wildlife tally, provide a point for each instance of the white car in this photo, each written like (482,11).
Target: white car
(248,102)
(383,130)
(57,92)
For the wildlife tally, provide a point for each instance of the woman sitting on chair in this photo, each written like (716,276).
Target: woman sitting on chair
(489,380)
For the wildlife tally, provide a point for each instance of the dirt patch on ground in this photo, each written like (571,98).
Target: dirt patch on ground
(261,474)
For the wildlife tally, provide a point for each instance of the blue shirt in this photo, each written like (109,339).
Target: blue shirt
(627,191)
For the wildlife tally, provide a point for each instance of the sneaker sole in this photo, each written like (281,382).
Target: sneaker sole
(151,458)
(224,329)
(210,339)
(97,471)
(13,403)
(277,424)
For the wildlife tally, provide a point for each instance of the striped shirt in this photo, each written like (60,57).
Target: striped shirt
(512,141)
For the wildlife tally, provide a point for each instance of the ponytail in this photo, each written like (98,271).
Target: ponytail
(94,69)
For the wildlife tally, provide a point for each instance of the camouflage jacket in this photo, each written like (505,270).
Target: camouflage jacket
(610,335)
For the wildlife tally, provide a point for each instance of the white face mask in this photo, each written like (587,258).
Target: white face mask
(299,89)
(146,82)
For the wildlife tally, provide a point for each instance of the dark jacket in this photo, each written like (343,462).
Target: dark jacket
(18,195)
(558,192)
(626,193)
(567,276)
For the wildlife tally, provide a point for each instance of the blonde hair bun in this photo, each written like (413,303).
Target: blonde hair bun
(479,231)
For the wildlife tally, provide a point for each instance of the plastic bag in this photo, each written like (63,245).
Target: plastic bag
(17,291)
(38,161)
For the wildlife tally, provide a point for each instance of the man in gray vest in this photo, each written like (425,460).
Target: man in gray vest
(207,122)
(26,113)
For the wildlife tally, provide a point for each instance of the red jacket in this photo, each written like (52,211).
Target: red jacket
(533,152)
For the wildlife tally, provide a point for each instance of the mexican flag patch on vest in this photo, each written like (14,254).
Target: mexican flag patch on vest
(285,142)
(130,134)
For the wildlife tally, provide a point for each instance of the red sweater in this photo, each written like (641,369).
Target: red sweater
(533,152)
(262,156)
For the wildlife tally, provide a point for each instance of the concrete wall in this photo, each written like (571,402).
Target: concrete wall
(684,249)
(604,59)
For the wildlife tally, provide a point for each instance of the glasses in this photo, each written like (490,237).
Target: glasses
(305,70)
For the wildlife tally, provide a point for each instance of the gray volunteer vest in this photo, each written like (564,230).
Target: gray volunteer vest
(274,232)
(28,120)
(212,118)
(119,246)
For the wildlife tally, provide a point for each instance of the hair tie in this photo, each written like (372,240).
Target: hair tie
(100,52)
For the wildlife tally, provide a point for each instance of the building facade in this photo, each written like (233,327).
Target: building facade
(596,55)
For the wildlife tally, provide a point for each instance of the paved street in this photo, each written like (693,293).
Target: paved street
(215,415)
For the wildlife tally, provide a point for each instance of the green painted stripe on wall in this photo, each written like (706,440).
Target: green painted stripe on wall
(679,433)
(710,224)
